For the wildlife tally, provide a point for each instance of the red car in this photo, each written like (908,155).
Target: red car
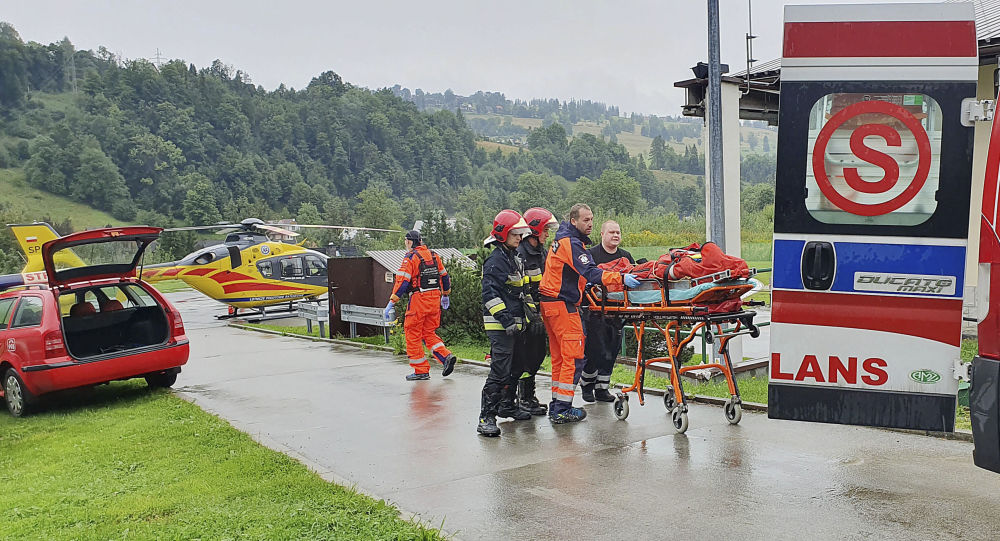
(88,321)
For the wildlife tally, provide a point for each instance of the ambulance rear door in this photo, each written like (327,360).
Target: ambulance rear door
(871,213)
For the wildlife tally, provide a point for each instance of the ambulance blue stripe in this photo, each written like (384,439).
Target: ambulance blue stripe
(864,257)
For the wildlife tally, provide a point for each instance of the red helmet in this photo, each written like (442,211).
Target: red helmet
(507,222)
(539,219)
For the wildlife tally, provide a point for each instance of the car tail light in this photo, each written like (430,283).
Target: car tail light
(176,323)
(54,346)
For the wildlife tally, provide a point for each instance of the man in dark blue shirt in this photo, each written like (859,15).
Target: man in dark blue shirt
(604,337)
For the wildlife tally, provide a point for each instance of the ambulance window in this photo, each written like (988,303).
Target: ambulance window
(315,266)
(29,313)
(265,269)
(873,159)
(291,267)
(5,311)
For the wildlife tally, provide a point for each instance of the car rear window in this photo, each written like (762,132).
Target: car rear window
(28,313)
(125,295)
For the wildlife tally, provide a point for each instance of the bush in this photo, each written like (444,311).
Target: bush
(463,321)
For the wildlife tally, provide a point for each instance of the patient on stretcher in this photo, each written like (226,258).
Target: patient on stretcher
(687,272)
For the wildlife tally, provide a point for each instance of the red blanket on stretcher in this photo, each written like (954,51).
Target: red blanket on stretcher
(690,262)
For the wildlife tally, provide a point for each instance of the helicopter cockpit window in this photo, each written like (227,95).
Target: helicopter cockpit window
(291,267)
(315,266)
(204,258)
(265,269)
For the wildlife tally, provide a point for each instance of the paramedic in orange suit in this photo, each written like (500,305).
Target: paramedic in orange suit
(424,277)
(568,268)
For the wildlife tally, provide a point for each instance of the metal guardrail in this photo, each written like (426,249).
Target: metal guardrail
(365,315)
(315,311)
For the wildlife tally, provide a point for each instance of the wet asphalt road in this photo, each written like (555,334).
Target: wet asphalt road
(349,415)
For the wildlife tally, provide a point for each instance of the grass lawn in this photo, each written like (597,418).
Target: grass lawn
(123,461)
(37,204)
(170,286)
(491,147)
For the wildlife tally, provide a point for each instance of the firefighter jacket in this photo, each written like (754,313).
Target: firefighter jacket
(569,267)
(504,286)
(533,260)
(420,271)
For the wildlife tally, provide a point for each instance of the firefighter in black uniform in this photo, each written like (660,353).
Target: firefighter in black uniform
(504,293)
(531,346)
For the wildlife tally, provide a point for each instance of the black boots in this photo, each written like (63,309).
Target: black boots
(488,426)
(602,395)
(588,393)
(526,397)
(509,408)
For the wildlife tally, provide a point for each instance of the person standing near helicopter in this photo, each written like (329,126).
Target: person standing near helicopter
(424,277)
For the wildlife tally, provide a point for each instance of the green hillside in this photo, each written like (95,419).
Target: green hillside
(34,204)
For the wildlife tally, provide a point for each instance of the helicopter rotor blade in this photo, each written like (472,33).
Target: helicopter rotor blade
(275,229)
(348,227)
(200,227)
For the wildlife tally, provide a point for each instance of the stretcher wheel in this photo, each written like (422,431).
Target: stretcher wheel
(754,331)
(621,407)
(734,411)
(668,399)
(680,420)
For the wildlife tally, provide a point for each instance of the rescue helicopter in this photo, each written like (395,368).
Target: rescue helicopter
(247,270)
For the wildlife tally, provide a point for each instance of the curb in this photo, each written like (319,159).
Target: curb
(958,435)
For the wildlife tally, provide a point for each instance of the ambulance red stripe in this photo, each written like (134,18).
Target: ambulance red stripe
(934,319)
(880,39)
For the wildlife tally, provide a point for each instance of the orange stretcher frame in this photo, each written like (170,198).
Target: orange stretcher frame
(680,322)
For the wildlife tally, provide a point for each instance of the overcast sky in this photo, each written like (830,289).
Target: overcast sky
(626,53)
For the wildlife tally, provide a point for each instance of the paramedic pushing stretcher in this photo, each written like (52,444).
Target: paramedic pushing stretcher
(423,276)
(568,268)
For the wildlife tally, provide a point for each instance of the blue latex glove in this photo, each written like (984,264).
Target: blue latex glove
(390,311)
(630,281)
(445,302)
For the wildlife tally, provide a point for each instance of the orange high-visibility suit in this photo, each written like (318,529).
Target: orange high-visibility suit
(423,276)
(568,269)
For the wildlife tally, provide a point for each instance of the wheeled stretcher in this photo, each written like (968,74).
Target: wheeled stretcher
(680,310)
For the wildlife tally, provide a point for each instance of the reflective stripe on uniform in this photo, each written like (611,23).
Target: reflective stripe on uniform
(491,323)
(404,275)
(565,386)
(439,345)
(495,305)
(516,280)
(533,275)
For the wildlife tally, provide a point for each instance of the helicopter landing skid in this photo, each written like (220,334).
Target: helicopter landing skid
(263,314)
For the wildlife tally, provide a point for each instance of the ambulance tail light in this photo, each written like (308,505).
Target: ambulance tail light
(54,346)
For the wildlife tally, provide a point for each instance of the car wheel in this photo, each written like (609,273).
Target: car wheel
(15,394)
(162,379)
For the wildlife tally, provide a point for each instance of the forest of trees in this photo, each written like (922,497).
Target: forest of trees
(175,143)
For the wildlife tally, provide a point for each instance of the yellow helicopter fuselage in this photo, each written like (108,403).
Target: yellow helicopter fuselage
(250,272)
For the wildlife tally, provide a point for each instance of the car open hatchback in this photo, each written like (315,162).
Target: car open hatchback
(90,321)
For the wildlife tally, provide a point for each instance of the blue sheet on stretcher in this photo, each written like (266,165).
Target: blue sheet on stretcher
(654,296)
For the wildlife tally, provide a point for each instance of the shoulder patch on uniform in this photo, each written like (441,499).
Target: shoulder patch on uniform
(584,259)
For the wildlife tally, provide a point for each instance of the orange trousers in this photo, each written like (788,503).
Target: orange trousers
(423,317)
(562,322)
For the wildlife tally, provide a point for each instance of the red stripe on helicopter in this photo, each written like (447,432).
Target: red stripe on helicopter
(171,272)
(256,286)
(225,277)
(880,39)
(934,319)
(198,272)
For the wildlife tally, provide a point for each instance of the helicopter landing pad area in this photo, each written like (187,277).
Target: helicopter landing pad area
(348,414)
